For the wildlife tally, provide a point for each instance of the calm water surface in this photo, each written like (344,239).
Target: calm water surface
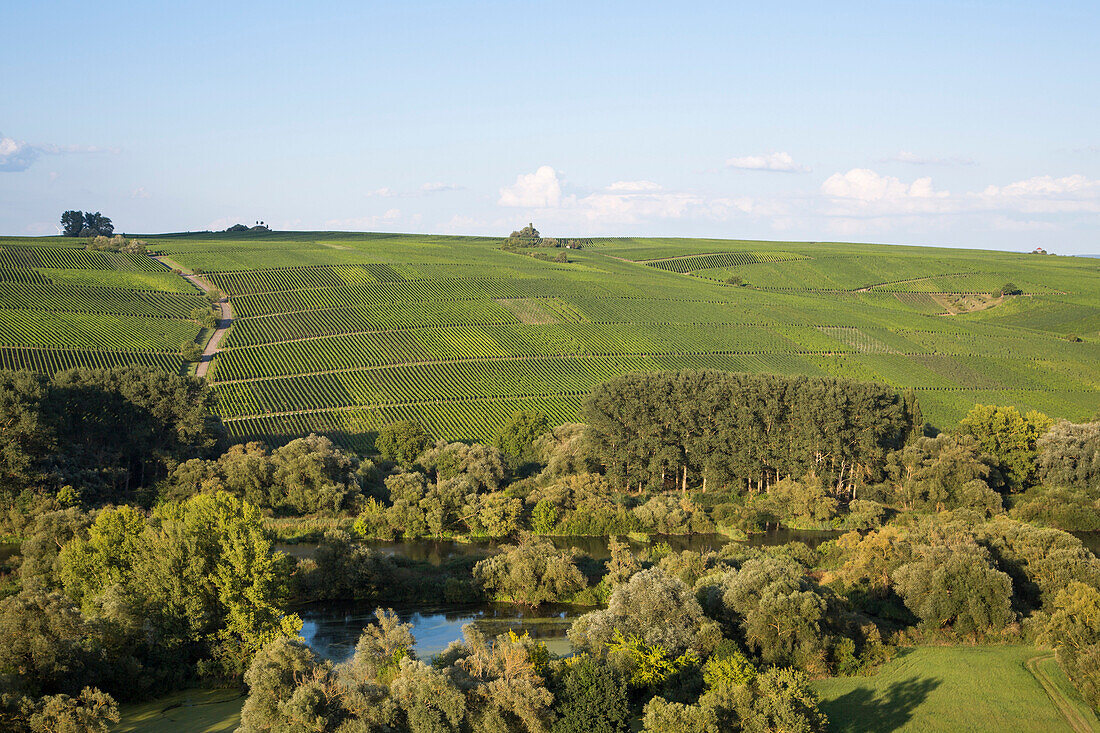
(332,629)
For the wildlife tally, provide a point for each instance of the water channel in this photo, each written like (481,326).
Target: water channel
(332,629)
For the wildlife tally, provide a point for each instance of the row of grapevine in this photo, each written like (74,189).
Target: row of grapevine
(380,317)
(856,339)
(406,291)
(22,275)
(479,419)
(451,381)
(45,329)
(78,259)
(721,259)
(420,382)
(359,350)
(242,282)
(99,300)
(49,361)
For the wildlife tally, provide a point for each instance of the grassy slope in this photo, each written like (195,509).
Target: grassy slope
(951,689)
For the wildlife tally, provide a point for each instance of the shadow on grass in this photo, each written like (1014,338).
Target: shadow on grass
(879,710)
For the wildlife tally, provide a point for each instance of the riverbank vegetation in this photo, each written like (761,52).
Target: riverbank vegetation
(149,565)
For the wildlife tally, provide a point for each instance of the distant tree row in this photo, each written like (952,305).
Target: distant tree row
(86,224)
(717,428)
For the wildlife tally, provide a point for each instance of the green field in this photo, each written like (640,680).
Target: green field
(958,688)
(340,332)
(189,711)
(923,689)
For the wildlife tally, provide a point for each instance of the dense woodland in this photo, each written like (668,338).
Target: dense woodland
(147,557)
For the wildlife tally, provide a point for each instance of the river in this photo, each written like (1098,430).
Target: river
(332,629)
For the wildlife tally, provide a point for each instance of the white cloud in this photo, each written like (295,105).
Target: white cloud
(439,187)
(905,156)
(864,185)
(1046,195)
(139,193)
(537,190)
(634,186)
(19,155)
(780,162)
(425,190)
(16,155)
(853,203)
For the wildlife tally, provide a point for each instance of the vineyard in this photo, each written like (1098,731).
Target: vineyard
(340,333)
(64,306)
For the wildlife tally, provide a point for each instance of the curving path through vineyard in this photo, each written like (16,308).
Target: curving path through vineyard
(220,328)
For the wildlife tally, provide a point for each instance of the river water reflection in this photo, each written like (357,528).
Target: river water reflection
(332,629)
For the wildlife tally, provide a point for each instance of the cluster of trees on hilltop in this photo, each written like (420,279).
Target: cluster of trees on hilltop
(258,227)
(528,237)
(117,243)
(86,224)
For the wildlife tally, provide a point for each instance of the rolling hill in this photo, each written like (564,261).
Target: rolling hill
(339,333)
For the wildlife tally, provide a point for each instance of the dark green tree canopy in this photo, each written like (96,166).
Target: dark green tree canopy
(648,429)
(402,442)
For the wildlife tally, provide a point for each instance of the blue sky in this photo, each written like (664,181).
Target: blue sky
(957,123)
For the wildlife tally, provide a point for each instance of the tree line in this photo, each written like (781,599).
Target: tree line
(711,428)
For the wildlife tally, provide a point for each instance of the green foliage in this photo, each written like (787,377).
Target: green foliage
(402,442)
(1008,436)
(543,517)
(64,430)
(92,711)
(649,665)
(309,475)
(73,222)
(659,610)
(781,615)
(1072,510)
(944,472)
(203,573)
(779,699)
(518,435)
(1069,455)
(382,646)
(590,697)
(532,572)
(343,569)
(646,428)
(727,670)
(930,587)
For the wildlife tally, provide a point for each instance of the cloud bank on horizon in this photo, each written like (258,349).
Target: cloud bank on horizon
(842,131)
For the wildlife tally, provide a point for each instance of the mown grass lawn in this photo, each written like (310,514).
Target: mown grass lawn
(984,688)
(189,711)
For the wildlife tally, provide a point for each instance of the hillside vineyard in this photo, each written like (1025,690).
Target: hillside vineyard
(341,333)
